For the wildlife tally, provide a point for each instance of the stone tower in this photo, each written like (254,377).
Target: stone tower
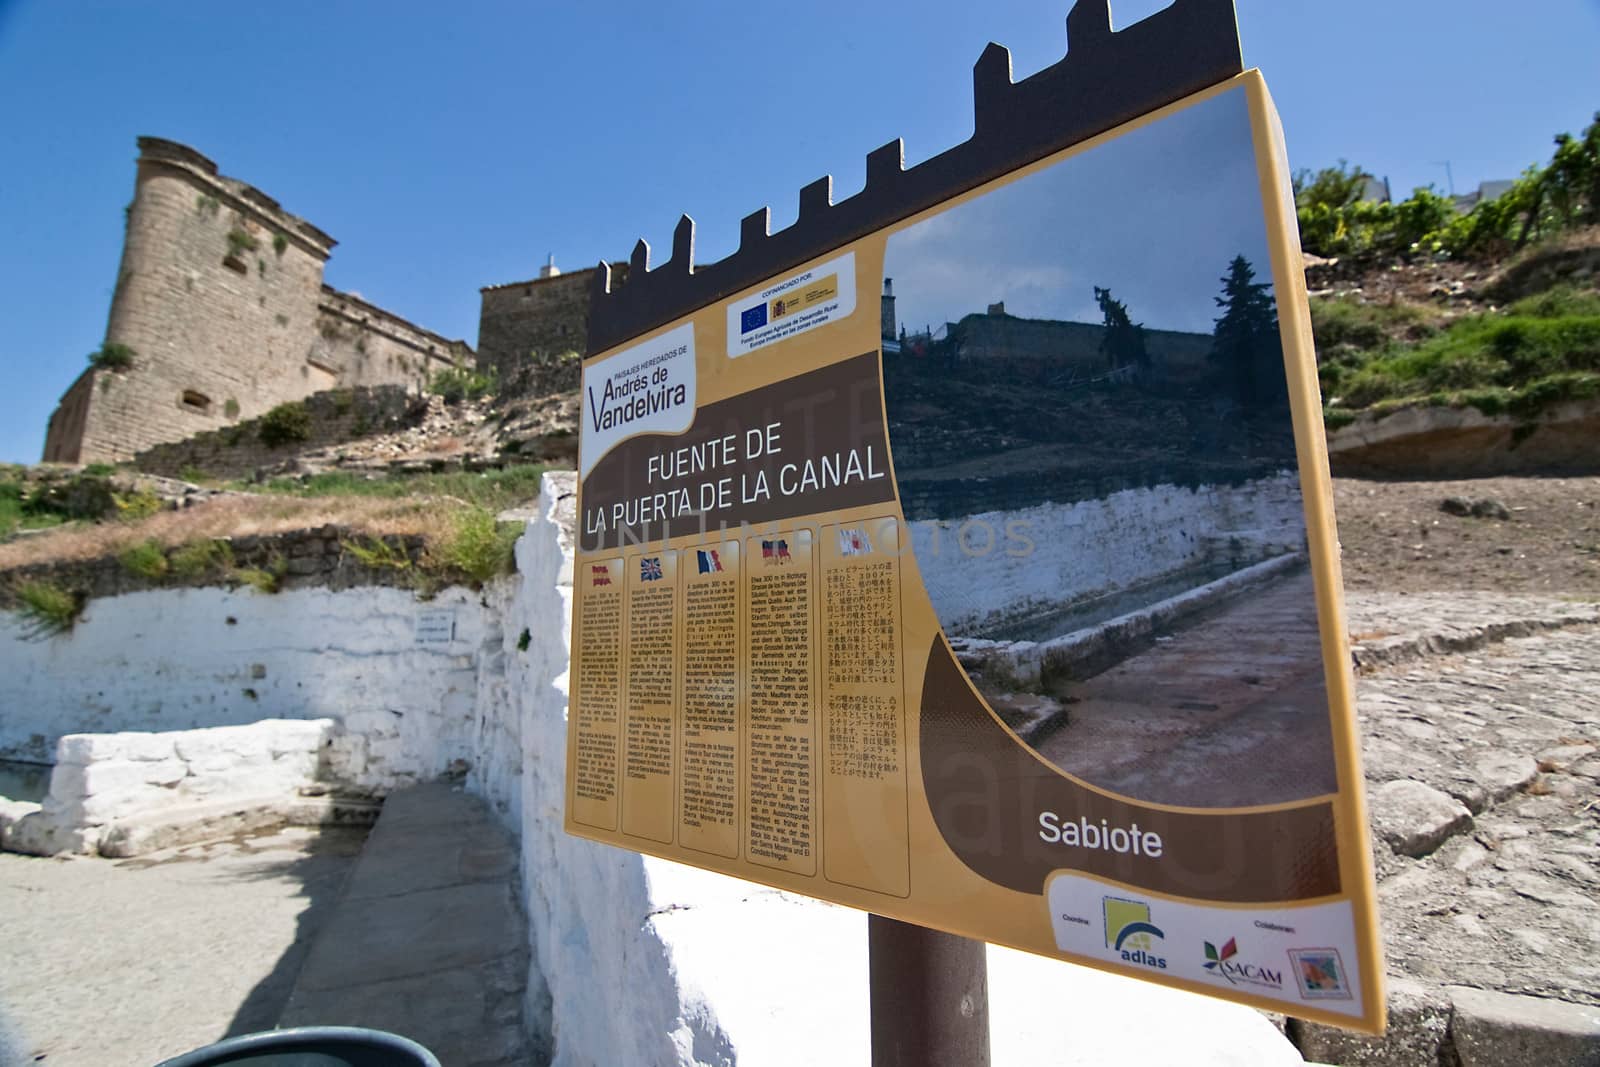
(220,300)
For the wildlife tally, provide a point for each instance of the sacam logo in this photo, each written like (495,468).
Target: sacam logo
(1131,934)
(1222,961)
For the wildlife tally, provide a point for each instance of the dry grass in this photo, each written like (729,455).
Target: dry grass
(234,516)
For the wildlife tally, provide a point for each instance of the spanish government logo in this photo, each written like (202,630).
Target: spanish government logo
(1131,934)
(1320,974)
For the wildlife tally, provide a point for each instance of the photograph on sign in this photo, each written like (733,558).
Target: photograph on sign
(1095,452)
(1010,606)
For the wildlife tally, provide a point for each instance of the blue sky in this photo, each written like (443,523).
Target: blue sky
(1128,215)
(451,147)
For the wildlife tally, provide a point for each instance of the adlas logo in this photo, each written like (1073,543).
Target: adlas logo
(1131,934)
(1224,962)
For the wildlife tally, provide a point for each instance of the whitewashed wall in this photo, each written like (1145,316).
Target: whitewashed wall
(128,793)
(183,659)
(634,960)
(695,968)
(1002,566)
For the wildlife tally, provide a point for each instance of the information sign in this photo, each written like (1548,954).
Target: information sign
(1008,605)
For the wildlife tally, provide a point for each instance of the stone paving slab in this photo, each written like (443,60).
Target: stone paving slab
(1481,750)
(1387,629)
(428,939)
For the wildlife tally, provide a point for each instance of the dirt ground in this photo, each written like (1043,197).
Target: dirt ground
(1397,538)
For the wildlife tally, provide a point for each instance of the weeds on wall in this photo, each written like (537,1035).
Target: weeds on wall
(280,243)
(231,408)
(268,579)
(112,356)
(198,558)
(146,560)
(207,205)
(377,553)
(47,609)
(240,242)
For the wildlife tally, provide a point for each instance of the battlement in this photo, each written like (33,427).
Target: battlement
(156,152)
(1107,78)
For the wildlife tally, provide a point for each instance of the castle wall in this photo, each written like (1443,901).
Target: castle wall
(524,327)
(365,345)
(335,417)
(216,295)
(63,439)
(221,299)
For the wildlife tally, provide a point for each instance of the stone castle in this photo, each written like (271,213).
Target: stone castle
(220,313)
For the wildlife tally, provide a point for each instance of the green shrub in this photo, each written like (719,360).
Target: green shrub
(1517,352)
(231,408)
(192,473)
(478,546)
(136,505)
(1340,321)
(280,242)
(48,609)
(83,496)
(285,424)
(1560,302)
(195,558)
(99,470)
(459,383)
(1337,418)
(112,356)
(145,559)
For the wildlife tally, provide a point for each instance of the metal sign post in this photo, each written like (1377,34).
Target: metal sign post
(930,996)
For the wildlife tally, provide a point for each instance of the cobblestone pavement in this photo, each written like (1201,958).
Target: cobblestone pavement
(1510,897)
(134,961)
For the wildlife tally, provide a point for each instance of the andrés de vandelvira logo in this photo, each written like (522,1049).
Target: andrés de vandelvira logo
(1224,962)
(1131,934)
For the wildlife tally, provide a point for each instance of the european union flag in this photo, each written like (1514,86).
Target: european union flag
(753,318)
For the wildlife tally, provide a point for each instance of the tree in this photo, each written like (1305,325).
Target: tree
(1123,343)
(1245,344)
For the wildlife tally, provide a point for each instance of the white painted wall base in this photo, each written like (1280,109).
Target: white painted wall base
(126,794)
(634,960)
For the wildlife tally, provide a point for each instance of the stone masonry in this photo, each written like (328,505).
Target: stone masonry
(334,417)
(526,329)
(220,298)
